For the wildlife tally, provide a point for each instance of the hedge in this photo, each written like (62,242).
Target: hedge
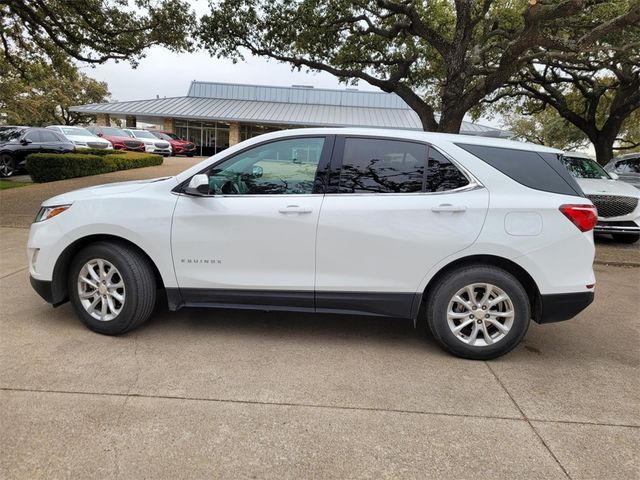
(97,151)
(48,167)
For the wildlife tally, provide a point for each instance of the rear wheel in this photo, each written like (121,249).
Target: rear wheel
(7,165)
(112,287)
(478,312)
(626,238)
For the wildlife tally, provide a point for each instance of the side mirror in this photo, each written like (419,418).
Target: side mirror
(25,141)
(257,171)
(614,176)
(198,185)
(99,134)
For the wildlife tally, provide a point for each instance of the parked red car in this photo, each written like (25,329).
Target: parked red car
(118,138)
(179,146)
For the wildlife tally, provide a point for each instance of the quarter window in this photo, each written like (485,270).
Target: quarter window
(382,166)
(442,175)
(282,167)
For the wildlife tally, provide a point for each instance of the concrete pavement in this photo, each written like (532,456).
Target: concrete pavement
(200,393)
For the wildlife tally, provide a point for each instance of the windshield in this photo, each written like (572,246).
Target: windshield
(172,135)
(81,132)
(114,132)
(143,134)
(10,133)
(584,168)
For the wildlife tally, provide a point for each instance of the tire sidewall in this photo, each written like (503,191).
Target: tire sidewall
(127,315)
(438,305)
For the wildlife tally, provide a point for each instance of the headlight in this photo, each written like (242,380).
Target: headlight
(46,213)
(80,144)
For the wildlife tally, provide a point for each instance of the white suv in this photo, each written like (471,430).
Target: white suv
(152,144)
(474,235)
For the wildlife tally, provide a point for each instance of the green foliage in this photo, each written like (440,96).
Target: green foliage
(437,55)
(41,92)
(546,127)
(7,184)
(98,151)
(48,167)
(92,31)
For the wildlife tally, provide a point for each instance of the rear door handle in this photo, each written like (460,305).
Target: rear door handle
(447,207)
(295,209)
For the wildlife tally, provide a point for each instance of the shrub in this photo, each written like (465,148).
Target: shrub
(48,167)
(97,151)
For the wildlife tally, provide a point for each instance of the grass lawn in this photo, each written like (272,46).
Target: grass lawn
(6,184)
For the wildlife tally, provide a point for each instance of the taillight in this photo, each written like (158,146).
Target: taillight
(584,217)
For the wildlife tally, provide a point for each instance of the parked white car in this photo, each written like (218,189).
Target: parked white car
(152,144)
(81,137)
(475,236)
(617,201)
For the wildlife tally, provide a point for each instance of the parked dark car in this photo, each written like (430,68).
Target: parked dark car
(18,142)
(118,138)
(627,167)
(179,146)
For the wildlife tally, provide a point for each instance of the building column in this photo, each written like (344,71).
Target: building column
(169,125)
(234,133)
(130,121)
(103,120)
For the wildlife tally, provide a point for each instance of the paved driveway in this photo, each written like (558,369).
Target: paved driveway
(206,394)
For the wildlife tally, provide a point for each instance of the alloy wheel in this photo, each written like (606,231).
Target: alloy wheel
(480,314)
(101,289)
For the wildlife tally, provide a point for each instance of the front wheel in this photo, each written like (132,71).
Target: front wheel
(111,287)
(7,165)
(478,312)
(626,238)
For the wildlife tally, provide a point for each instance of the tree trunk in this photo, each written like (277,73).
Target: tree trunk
(451,120)
(603,145)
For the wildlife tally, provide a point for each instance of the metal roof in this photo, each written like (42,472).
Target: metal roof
(295,106)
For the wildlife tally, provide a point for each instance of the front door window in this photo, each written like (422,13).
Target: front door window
(282,167)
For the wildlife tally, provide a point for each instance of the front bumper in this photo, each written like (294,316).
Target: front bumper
(558,307)
(617,227)
(45,289)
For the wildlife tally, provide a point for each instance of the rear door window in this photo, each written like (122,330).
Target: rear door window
(442,174)
(373,165)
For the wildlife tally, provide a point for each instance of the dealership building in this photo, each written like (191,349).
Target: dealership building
(216,115)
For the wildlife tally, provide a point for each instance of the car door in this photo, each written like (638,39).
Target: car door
(51,143)
(30,143)
(384,223)
(251,241)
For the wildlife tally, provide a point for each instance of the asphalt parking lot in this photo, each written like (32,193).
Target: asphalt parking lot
(221,394)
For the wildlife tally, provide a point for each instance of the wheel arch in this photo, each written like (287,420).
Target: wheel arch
(59,289)
(527,281)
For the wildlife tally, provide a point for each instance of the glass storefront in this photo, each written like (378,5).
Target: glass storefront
(213,137)
(209,137)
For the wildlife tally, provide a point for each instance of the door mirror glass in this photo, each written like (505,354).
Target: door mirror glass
(198,186)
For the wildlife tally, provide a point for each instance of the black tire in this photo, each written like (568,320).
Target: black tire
(626,238)
(7,165)
(447,287)
(139,283)
(189,155)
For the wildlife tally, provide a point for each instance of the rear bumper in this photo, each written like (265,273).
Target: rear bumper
(558,307)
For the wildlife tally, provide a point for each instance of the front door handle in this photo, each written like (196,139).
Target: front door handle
(448,208)
(295,209)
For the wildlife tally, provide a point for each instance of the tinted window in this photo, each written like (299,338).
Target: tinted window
(282,167)
(48,136)
(442,175)
(528,168)
(8,134)
(114,132)
(33,135)
(381,166)
(628,166)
